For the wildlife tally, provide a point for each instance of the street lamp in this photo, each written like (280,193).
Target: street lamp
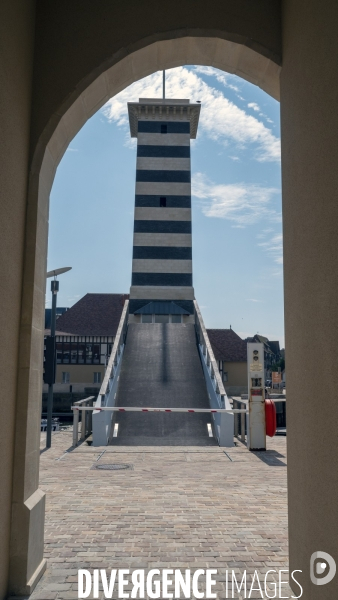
(50,352)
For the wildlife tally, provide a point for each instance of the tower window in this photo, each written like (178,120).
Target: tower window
(164,128)
(163,202)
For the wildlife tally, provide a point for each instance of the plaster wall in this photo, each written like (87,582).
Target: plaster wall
(16,47)
(157,292)
(160,163)
(163,239)
(162,214)
(153,265)
(237,374)
(161,189)
(309,124)
(79,373)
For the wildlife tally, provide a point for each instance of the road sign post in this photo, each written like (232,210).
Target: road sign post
(50,352)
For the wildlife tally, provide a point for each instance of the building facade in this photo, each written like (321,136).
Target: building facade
(231,354)
(86,332)
(84,339)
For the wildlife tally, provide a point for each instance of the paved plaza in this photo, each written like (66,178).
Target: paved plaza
(175,507)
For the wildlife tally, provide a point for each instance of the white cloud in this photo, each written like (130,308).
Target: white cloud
(274,247)
(219,75)
(253,300)
(221,120)
(240,202)
(130,142)
(234,88)
(254,106)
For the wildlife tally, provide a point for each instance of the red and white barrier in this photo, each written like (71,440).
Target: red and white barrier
(168,410)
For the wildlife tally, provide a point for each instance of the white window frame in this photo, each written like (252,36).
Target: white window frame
(98,376)
(65,377)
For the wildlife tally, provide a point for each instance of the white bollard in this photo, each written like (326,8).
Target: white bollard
(256,395)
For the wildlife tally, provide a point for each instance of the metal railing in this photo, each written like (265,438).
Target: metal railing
(86,406)
(156,409)
(114,357)
(223,423)
(102,421)
(207,351)
(240,418)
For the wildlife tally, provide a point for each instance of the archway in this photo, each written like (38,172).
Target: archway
(310,215)
(210,51)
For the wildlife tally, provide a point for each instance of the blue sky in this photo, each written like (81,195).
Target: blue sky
(237,229)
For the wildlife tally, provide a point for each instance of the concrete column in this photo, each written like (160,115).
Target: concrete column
(309,120)
(22,504)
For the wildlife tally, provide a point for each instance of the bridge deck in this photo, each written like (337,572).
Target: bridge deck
(180,507)
(161,367)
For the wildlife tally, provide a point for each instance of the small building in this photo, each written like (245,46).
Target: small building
(85,335)
(231,355)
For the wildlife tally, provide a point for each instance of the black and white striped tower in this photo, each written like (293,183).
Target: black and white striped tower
(162,246)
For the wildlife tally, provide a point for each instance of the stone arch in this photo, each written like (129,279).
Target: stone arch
(52,52)
(61,128)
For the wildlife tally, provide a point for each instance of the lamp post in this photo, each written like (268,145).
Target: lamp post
(50,352)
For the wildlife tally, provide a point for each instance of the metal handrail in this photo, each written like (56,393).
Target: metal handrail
(116,350)
(156,409)
(86,419)
(242,418)
(209,354)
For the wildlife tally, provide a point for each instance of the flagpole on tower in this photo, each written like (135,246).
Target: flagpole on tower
(163,84)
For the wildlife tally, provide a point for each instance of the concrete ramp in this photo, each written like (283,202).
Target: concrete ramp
(161,367)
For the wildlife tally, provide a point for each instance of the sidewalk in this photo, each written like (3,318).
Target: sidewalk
(188,507)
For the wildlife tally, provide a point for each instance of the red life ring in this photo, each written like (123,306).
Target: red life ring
(270,417)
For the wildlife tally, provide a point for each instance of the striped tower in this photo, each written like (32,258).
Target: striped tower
(162,246)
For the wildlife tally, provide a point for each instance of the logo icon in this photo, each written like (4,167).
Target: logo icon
(322,563)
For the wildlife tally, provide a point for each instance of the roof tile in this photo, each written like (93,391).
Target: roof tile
(94,314)
(227,345)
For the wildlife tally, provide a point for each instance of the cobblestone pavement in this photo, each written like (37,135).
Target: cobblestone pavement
(180,508)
